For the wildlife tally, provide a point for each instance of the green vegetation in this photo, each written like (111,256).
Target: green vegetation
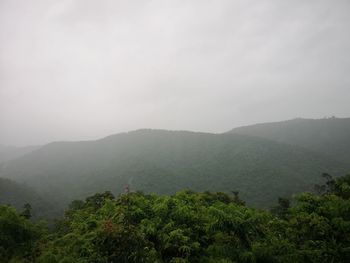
(165,162)
(186,227)
(18,195)
(19,238)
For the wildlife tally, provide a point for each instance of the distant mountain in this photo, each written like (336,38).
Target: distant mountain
(167,161)
(8,153)
(16,194)
(329,136)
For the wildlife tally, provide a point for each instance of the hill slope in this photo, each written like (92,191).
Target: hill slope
(168,161)
(327,136)
(15,194)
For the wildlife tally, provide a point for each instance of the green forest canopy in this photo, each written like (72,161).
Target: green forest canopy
(186,227)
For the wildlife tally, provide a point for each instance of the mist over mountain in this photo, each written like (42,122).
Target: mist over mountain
(8,153)
(17,195)
(164,162)
(222,174)
(329,136)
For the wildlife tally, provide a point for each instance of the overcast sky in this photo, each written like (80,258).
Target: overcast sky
(84,69)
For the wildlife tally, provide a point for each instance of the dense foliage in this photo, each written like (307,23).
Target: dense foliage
(18,236)
(186,227)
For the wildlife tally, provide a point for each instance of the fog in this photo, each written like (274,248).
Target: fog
(83,69)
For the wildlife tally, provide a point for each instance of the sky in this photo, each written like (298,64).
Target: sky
(85,69)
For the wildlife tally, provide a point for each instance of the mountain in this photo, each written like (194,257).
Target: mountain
(329,136)
(8,153)
(16,194)
(168,161)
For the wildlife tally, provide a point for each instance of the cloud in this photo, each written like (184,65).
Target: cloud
(79,69)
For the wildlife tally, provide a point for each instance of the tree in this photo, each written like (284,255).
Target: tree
(27,211)
(281,210)
(18,236)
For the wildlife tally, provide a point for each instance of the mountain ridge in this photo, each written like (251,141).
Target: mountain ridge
(330,136)
(167,161)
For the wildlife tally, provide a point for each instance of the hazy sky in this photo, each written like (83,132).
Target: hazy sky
(84,69)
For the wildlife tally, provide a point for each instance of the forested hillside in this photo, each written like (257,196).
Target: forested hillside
(165,162)
(18,195)
(329,136)
(187,227)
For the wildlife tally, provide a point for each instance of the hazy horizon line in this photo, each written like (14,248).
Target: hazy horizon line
(164,129)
